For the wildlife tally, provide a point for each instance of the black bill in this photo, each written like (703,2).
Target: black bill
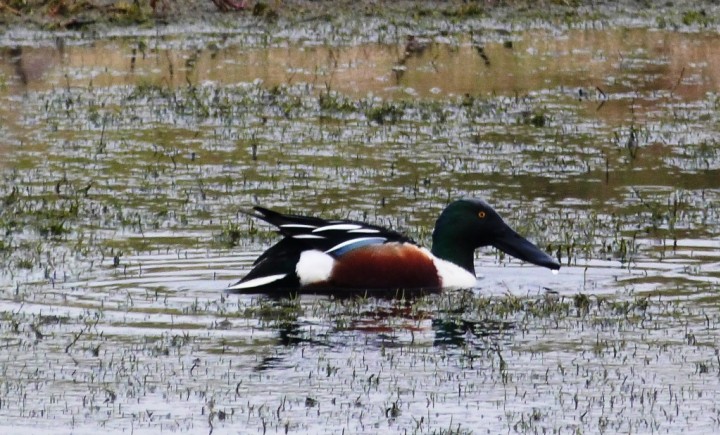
(516,245)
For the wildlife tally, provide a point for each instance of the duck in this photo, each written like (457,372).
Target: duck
(319,255)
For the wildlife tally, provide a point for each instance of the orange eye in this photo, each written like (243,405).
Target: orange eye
(481,214)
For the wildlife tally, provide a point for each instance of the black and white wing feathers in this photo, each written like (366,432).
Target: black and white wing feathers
(276,267)
(333,237)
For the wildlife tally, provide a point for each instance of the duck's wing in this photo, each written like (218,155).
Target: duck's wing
(333,237)
(276,267)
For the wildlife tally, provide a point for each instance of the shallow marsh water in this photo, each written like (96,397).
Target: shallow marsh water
(125,161)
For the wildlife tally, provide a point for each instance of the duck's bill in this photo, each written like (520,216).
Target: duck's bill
(516,245)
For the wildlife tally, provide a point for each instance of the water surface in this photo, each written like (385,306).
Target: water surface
(125,162)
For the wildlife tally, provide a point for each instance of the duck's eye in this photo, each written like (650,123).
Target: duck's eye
(481,214)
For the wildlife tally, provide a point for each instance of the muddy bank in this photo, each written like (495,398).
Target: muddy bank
(101,15)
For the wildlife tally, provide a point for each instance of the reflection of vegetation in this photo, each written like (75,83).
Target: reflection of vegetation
(453,332)
(283,312)
(632,142)
(482,326)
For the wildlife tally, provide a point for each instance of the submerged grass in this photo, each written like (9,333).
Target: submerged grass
(401,363)
(161,182)
(120,225)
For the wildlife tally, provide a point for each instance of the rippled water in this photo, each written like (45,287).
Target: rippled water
(125,162)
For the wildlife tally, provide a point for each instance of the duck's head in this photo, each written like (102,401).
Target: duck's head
(468,224)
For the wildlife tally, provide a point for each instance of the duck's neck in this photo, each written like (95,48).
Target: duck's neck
(457,253)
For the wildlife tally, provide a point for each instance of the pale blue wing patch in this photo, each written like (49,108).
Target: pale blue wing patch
(349,245)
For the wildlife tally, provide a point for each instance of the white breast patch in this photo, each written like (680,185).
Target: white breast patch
(451,275)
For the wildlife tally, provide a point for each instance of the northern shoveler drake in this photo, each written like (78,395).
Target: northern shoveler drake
(326,255)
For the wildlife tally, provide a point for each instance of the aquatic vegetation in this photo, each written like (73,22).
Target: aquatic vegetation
(124,170)
(698,17)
